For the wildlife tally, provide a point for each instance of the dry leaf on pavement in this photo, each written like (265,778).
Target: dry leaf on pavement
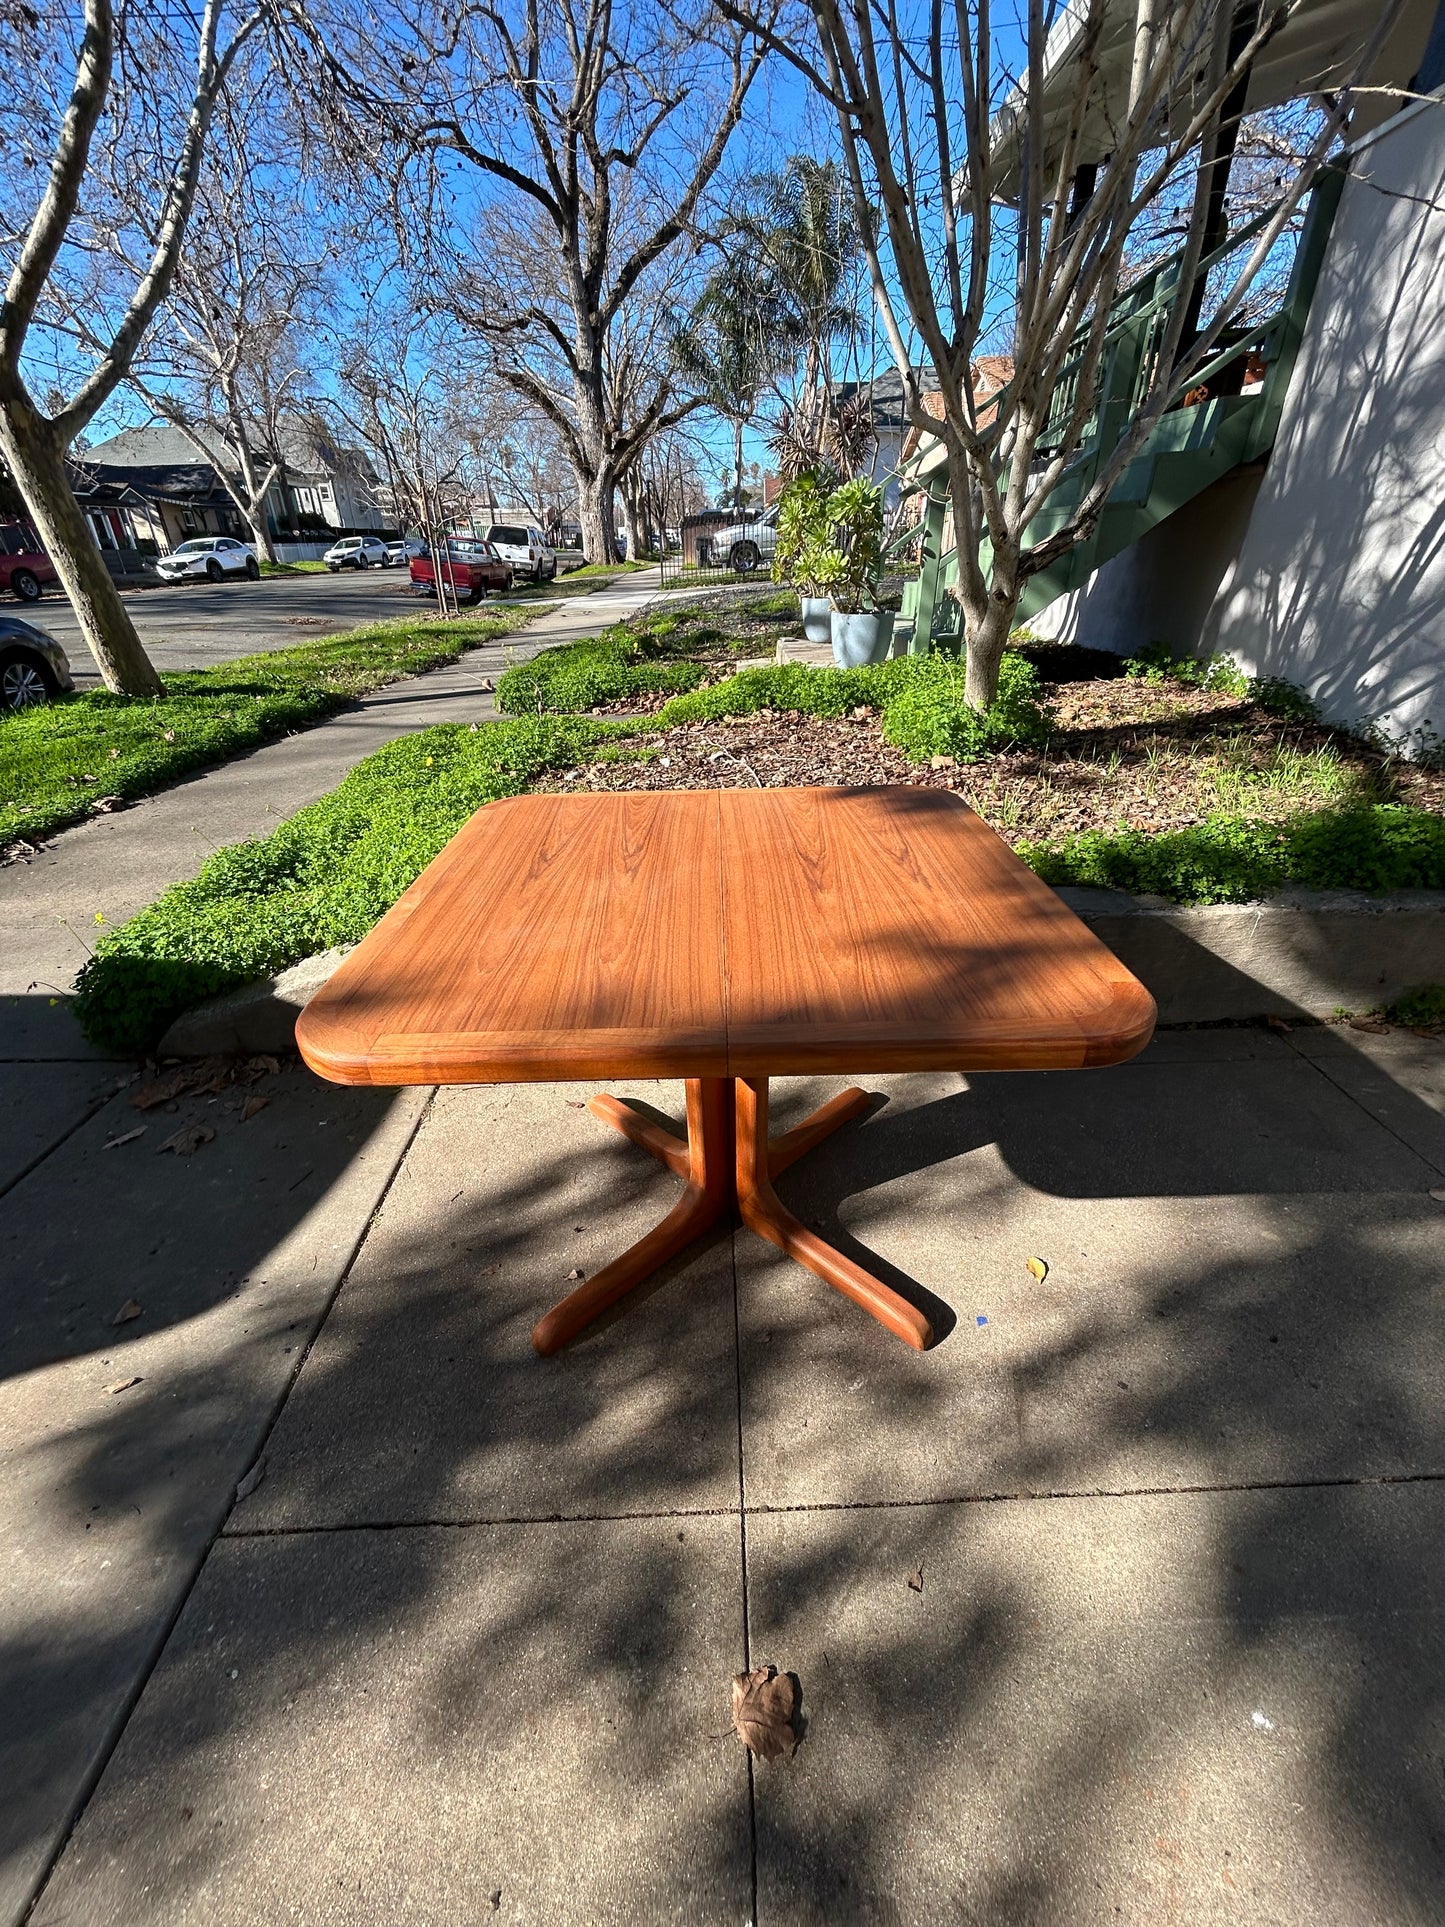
(1371,1024)
(189,1138)
(1038,1267)
(123,1385)
(915,1579)
(130,1309)
(126,1137)
(1437,1192)
(252,1105)
(764,1705)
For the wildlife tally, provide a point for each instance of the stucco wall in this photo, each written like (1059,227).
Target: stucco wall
(1339,584)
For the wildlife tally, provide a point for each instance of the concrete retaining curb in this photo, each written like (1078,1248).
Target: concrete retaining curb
(1304,953)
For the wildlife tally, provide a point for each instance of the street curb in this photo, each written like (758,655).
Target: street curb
(1304,953)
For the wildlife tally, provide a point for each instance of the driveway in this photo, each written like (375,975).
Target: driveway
(193,625)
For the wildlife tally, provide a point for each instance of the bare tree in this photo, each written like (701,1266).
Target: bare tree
(588,138)
(226,362)
(929,124)
(33,440)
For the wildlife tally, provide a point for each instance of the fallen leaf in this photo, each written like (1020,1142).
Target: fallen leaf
(252,1479)
(574,1104)
(575,1273)
(130,1309)
(188,1139)
(1371,1024)
(209,1076)
(1278,1023)
(126,1137)
(1437,1192)
(252,1105)
(1037,1266)
(764,1705)
(123,1385)
(915,1579)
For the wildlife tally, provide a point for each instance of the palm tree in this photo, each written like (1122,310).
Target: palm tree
(732,345)
(804,227)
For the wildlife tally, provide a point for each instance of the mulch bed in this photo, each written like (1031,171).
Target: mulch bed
(1125,753)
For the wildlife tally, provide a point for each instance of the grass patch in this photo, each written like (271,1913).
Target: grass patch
(322,878)
(1234,859)
(665,653)
(58,760)
(293,568)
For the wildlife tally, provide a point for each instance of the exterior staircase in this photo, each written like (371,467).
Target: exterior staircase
(1187,450)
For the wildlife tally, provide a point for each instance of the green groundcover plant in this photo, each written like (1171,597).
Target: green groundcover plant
(57,761)
(327,874)
(322,878)
(1235,859)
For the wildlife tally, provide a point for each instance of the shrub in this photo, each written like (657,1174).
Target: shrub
(1232,859)
(928,716)
(321,878)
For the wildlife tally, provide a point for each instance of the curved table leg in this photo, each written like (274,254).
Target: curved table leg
(794,1144)
(707,1197)
(668,1148)
(763,1212)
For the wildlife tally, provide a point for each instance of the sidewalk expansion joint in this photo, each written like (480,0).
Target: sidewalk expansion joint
(120,1719)
(482,1521)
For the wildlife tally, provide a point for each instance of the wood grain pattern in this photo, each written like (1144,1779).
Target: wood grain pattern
(739,933)
(891,929)
(554,937)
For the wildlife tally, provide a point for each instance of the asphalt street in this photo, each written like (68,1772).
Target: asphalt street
(192,625)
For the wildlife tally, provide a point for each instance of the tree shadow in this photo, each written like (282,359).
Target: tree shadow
(986,1758)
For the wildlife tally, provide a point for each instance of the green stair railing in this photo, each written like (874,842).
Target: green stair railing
(1187,449)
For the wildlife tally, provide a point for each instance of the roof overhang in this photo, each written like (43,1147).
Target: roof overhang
(1315,50)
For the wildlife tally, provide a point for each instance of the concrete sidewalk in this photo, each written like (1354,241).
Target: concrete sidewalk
(107,869)
(1123,1603)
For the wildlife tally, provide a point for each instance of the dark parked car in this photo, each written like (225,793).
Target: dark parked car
(25,568)
(471,568)
(33,666)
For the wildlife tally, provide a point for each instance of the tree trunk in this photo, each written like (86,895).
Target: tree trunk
(594,507)
(737,462)
(37,462)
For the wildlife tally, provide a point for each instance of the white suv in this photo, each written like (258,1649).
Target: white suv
(212,556)
(525,548)
(357,552)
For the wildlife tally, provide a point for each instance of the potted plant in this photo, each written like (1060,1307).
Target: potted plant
(851,570)
(802,539)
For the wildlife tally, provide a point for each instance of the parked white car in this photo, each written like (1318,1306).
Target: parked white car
(402,554)
(744,545)
(212,556)
(357,552)
(525,548)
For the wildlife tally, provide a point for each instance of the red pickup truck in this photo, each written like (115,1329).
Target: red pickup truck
(470,568)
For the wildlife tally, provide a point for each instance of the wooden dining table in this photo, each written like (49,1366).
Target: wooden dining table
(723,937)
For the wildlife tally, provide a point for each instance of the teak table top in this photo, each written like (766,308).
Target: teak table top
(723,933)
